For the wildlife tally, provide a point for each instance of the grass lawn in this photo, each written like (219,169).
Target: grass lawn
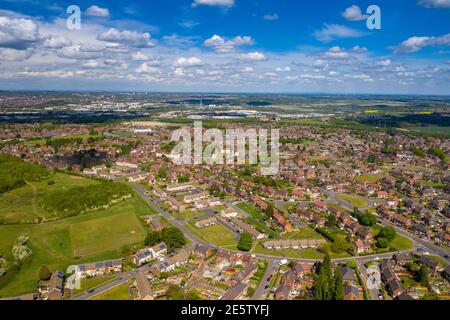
(96,236)
(303,233)
(117,293)
(366,177)
(23,203)
(292,253)
(187,214)
(87,284)
(216,234)
(398,244)
(355,200)
(251,210)
(112,232)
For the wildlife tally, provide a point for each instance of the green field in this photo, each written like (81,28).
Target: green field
(216,234)
(91,237)
(293,253)
(87,284)
(22,204)
(303,233)
(355,200)
(366,177)
(251,210)
(399,243)
(117,293)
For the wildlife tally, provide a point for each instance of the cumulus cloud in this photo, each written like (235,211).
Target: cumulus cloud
(188,62)
(18,33)
(415,44)
(8,54)
(96,11)
(271,17)
(146,68)
(253,56)
(79,52)
(354,13)
(283,69)
(127,37)
(384,63)
(221,45)
(57,42)
(213,3)
(336,53)
(335,31)
(439,4)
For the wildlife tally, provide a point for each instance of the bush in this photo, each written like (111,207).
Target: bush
(152,238)
(44,273)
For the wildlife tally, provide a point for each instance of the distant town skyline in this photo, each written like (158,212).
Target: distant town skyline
(224,46)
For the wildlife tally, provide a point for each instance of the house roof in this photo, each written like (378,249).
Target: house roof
(351,290)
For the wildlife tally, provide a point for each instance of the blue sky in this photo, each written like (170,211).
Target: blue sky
(293,46)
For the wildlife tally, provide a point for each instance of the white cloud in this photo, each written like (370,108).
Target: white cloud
(179,72)
(221,45)
(253,56)
(247,70)
(79,52)
(359,49)
(188,62)
(57,42)
(127,37)
(283,69)
(354,13)
(213,3)
(440,4)
(336,53)
(139,56)
(334,31)
(271,17)
(384,63)
(146,68)
(7,54)
(415,44)
(18,33)
(96,11)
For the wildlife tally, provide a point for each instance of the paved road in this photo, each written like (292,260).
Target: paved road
(444,254)
(374,293)
(260,292)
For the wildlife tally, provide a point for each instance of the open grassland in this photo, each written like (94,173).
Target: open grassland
(399,243)
(96,236)
(22,204)
(303,233)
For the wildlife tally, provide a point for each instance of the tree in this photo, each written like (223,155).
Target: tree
(162,173)
(323,281)
(338,285)
(44,273)
(387,232)
(352,263)
(332,221)
(173,237)
(270,211)
(245,242)
(152,238)
(382,243)
(372,158)
(423,276)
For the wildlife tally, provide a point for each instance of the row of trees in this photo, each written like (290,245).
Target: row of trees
(14,172)
(328,286)
(78,199)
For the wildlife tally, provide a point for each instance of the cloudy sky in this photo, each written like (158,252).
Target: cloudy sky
(297,46)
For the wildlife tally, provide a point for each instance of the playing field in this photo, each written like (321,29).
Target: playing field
(117,293)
